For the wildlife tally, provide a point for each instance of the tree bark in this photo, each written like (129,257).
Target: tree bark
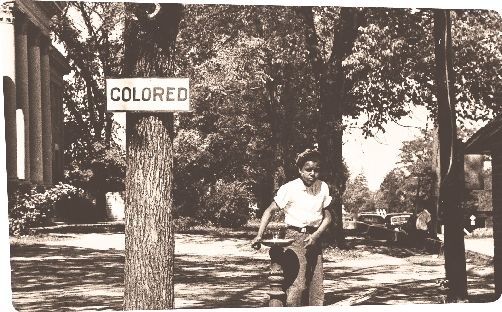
(277,129)
(332,87)
(449,162)
(149,248)
(149,243)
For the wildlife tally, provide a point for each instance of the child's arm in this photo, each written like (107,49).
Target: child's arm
(326,220)
(265,219)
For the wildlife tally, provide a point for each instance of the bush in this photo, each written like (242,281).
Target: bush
(227,205)
(183,224)
(482,232)
(77,210)
(31,208)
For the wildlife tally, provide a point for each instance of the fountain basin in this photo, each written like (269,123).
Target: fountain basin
(277,242)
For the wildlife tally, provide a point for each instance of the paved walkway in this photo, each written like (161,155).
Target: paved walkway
(184,244)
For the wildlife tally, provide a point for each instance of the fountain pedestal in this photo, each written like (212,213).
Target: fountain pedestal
(276,277)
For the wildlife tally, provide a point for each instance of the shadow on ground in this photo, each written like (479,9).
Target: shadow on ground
(220,282)
(59,278)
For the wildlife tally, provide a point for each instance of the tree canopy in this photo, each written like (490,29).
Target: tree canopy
(90,34)
(357,196)
(269,81)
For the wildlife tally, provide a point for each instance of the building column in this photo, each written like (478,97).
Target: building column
(22,90)
(8,57)
(35,97)
(46,111)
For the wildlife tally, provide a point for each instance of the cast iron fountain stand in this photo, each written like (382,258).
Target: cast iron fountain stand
(276,277)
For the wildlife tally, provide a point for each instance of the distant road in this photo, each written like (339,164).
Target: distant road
(480,245)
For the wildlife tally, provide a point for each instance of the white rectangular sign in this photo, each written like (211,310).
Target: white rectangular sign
(148,94)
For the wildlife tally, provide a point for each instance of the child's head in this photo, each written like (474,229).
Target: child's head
(309,165)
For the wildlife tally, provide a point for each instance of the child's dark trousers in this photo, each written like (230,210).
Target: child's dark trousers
(303,272)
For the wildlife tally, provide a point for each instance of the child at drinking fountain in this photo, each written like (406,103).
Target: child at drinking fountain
(304,202)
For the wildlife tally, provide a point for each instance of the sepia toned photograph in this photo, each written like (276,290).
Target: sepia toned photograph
(168,155)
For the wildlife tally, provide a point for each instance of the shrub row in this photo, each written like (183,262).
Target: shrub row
(482,233)
(29,208)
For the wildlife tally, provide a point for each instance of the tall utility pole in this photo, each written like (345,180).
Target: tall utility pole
(149,36)
(449,161)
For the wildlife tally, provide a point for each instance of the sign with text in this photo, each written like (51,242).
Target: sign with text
(148,94)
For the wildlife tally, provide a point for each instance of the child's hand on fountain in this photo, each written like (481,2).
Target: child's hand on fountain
(256,243)
(265,219)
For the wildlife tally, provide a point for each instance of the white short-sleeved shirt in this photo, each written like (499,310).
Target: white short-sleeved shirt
(300,208)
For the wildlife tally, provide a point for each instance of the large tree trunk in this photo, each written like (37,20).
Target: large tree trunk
(149,254)
(450,161)
(277,129)
(332,87)
(278,178)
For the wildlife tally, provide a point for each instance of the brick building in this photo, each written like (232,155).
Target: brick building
(33,71)
(488,141)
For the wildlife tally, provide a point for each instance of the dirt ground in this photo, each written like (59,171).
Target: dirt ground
(84,272)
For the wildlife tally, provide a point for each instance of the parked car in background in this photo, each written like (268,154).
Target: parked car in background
(371,219)
(394,221)
(348,222)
